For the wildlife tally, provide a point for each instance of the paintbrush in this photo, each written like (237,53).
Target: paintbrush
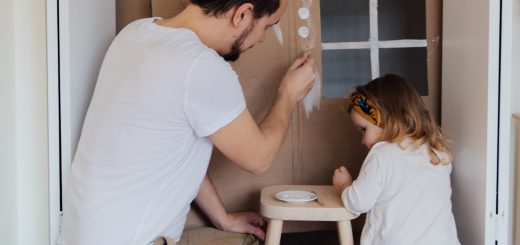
(317,198)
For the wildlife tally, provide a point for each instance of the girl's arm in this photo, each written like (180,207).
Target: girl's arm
(362,194)
(341,179)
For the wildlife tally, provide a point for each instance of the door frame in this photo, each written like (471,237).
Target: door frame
(509,85)
(53,113)
(72,72)
(477,54)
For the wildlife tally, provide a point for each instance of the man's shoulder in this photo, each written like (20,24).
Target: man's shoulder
(145,32)
(186,46)
(212,60)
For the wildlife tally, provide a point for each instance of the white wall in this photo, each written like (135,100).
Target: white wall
(8,187)
(87,28)
(469,108)
(23,129)
(516,56)
(31,120)
(515,108)
(24,166)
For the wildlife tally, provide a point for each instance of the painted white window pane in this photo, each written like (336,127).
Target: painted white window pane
(402,19)
(344,70)
(344,21)
(407,62)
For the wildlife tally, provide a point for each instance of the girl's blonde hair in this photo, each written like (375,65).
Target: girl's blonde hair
(405,116)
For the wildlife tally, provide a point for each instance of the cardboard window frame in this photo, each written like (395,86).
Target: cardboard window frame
(374,44)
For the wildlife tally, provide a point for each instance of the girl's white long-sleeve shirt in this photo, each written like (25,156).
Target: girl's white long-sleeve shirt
(407,199)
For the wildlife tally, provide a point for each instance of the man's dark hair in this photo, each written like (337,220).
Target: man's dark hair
(218,7)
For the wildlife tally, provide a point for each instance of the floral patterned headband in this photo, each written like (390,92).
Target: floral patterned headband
(366,108)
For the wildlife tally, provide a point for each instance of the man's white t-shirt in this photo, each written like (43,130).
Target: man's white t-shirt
(408,199)
(144,148)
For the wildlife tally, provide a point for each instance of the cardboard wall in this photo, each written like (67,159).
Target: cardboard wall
(314,146)
(130,10)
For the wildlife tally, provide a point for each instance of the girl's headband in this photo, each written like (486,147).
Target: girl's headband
(366,108)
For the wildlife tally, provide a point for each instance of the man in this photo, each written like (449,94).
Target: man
(164,97)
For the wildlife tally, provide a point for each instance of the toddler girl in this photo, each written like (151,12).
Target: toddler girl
(404,183)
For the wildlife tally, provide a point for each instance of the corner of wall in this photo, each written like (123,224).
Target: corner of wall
(8,169)
(29,69)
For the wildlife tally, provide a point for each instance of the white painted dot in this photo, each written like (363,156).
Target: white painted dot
(303,32)
(303,13)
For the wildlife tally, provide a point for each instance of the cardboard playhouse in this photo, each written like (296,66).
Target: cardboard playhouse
(409,42)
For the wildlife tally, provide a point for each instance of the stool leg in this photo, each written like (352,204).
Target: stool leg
(345,232)
(274,232)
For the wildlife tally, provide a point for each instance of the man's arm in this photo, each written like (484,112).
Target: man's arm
(208,200)
(253,147)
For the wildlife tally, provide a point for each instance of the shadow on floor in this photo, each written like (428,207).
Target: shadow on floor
(328,237)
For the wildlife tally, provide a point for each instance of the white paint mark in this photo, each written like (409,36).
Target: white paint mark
(303,13)
(374,39)
(278,33)
(405,43)
(312,99)
(345,45)
(303,32)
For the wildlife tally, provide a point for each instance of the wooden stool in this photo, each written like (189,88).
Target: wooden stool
(328,207)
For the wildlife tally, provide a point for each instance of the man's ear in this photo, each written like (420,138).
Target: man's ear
(243,14)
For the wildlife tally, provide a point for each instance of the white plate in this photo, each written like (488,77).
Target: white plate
(295,196)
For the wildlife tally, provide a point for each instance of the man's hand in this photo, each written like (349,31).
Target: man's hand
(210,204)
(298,79)
(341,179)
(246,222)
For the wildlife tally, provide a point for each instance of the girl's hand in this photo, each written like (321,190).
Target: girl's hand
(341,179)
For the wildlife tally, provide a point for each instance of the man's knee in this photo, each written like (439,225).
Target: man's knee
(164,241)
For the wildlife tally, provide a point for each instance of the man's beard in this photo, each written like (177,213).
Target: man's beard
(235,51)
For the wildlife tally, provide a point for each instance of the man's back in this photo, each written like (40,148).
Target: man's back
(144,148)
